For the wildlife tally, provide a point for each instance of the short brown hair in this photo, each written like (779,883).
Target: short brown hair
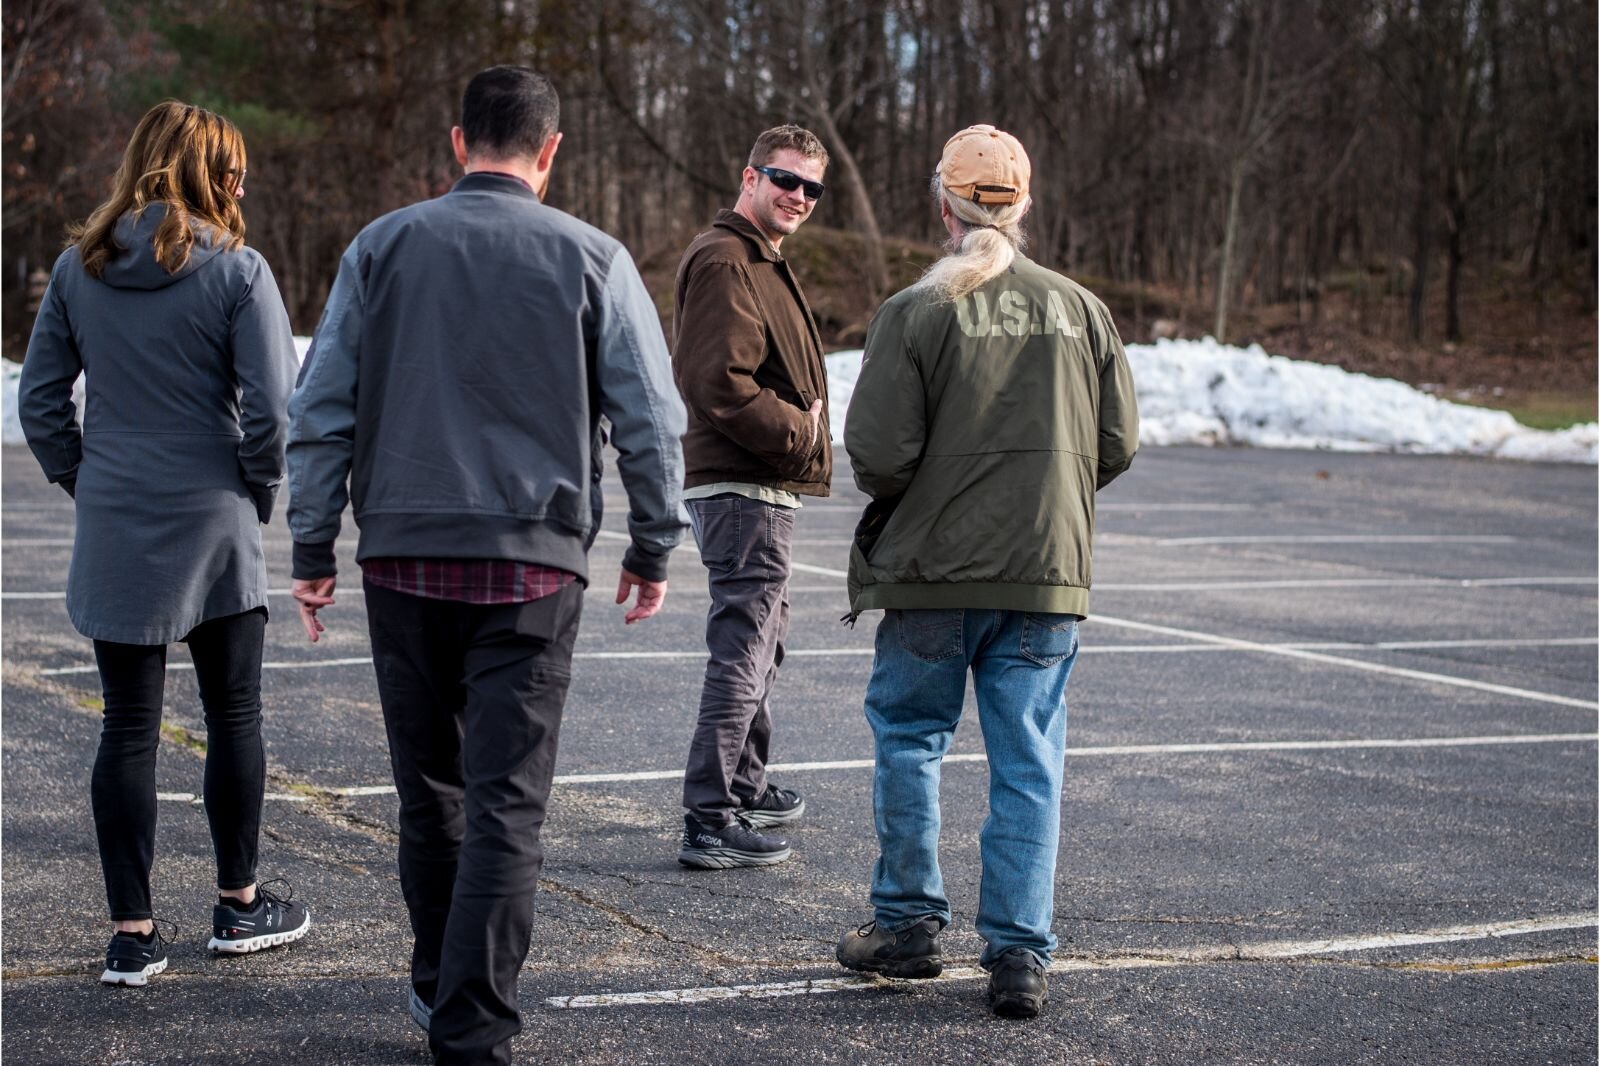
(508,112)
(796,138)
(186,158)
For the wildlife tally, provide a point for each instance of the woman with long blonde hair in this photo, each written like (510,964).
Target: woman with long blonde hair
(188,361)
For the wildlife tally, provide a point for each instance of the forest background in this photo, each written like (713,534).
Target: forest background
(1401,187)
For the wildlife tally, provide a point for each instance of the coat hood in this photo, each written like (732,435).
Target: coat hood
(137,268)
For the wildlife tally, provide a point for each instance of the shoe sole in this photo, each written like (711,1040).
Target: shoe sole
(729,859)
(1016,1005)
(133,980)
(259,943)
(768,819)
(919,969)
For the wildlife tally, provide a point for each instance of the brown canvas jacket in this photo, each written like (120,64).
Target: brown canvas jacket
(747,358)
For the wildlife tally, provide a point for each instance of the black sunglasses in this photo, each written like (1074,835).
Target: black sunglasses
(790,182)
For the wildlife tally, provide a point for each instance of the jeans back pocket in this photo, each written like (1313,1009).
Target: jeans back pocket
(1049,638)
(931,634)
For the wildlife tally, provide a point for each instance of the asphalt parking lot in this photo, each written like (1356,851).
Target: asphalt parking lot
(1330,797)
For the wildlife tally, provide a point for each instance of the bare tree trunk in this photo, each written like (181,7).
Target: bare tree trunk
(1230,239)
(1422,227)
(389,15)
(1452,305)
(860,202)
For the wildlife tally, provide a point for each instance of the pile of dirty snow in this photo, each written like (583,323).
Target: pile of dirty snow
(1202,392)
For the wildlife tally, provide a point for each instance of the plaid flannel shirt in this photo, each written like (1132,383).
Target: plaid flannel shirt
(467,580)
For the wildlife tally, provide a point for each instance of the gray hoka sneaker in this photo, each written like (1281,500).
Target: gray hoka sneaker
(708,847)
(776,806)
(913,952)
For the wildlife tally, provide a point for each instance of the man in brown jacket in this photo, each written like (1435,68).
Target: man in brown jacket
(748,360)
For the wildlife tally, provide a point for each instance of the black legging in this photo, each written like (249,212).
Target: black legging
(227,661)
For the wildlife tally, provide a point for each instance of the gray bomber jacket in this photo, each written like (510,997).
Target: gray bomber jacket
(468,349)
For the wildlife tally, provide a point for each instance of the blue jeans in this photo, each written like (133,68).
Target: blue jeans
(1020,662)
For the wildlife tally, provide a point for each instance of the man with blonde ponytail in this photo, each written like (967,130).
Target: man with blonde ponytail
(994,400)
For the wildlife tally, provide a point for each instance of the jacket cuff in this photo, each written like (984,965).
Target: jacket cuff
(264,499)
(312,561)
(648,565)
(69,485)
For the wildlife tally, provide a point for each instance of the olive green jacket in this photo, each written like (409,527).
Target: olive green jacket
(981,429)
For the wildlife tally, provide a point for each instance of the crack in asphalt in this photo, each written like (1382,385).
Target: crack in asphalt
(1482,965)
(324,806)
(1176,919)
(623,918)
(333,810)
(1463,966)
(636,881)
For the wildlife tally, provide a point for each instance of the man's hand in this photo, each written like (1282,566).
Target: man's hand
(312,596)
(815,411)
(652,594)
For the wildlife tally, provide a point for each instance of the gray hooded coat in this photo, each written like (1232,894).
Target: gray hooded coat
(181,451)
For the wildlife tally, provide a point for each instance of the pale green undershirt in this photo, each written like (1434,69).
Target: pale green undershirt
(764,493)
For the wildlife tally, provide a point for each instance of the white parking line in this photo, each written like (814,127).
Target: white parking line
(1269,584)
(1424,645)
(60,594)
(1264,585)
(1305,583)
(1123,506)
(1341,538)
(280,797)
(698,654)
(1354,664)
(1269,952)
(1123,750)
(1377,645)
(1106,751)
(855,509)
(307,664)
(807,568)
(1116,586)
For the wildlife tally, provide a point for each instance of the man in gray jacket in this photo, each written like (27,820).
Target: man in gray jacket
(469,348)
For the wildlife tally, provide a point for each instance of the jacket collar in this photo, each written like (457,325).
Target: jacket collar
(489,181)
(732,220)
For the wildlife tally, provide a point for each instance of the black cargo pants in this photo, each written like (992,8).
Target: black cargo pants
(472,697)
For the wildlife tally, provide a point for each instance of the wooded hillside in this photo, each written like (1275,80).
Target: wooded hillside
(1384,169)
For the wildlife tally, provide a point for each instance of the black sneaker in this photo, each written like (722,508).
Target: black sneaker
(912,952)
(777,806)
(421,1011)
(1017,986)
(736,844)
(131,961)
(271,920)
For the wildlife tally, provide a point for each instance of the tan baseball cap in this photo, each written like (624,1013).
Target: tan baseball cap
(985,165)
